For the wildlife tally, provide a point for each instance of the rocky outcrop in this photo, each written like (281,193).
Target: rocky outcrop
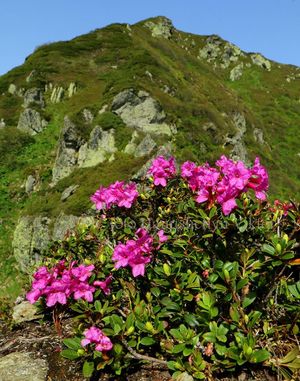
(160,27)
(236,72)
(220,53)
(20,366)
(261,61)
(31,239)
(57,94)
(34,96)
(100,147)
(238,151)
(33,235)
(31,122)
(140,111)
(67,153)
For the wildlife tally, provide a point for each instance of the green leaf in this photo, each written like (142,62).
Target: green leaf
(73,343)
(259,356)
(88,368)
(268,249)
(191,320)
(69,354)
(147,341)
(249,299)
(178,348)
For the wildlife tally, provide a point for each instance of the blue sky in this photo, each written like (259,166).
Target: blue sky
(271,27)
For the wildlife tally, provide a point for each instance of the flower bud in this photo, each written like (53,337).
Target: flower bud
(278,248)
(130,330)
(80,352)
(149,327)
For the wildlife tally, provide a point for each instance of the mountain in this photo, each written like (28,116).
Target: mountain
(95,109)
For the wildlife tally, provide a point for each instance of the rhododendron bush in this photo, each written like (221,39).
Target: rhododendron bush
(190,267)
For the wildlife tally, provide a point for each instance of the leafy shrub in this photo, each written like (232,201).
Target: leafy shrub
(170,277)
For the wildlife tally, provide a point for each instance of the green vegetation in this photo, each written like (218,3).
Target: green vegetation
(107,61)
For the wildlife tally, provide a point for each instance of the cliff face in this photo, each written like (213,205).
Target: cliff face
(96,108)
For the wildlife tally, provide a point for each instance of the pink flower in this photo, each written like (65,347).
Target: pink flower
(161,236)
(162,169)
(118,193)
(82,272)
(94,335)
(104,284)
(259,180)
(135,253)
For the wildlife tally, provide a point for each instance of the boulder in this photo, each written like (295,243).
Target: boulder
(66,223)
(261,61)
(34,96)
(87,115)
(20,366)
(2,123)
(57,94)
(100,146)
(212,49)
(236,72)
(140,111)
(161,27)
(30,121)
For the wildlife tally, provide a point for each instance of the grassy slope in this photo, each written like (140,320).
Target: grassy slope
(202,94)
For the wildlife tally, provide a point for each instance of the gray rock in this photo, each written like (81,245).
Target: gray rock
(258,136)
(2,123)
(209,126)
(31,239)
(34,96)
(30,121)
(57,94)
(261,61)
(67,153)
(161,27)
(68,192)
(19,366)
(141,111)
(30,184)
(25,312)
(12,89)
(49,87)
(87,115)
(72,89)
(99,148)
(146,146)
(236,72)
(239,151)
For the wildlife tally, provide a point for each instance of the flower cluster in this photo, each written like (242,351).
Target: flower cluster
(134,253)
(283,207)
(162,169)
(118,193)
(227,184)
(60,282)
(96,336)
